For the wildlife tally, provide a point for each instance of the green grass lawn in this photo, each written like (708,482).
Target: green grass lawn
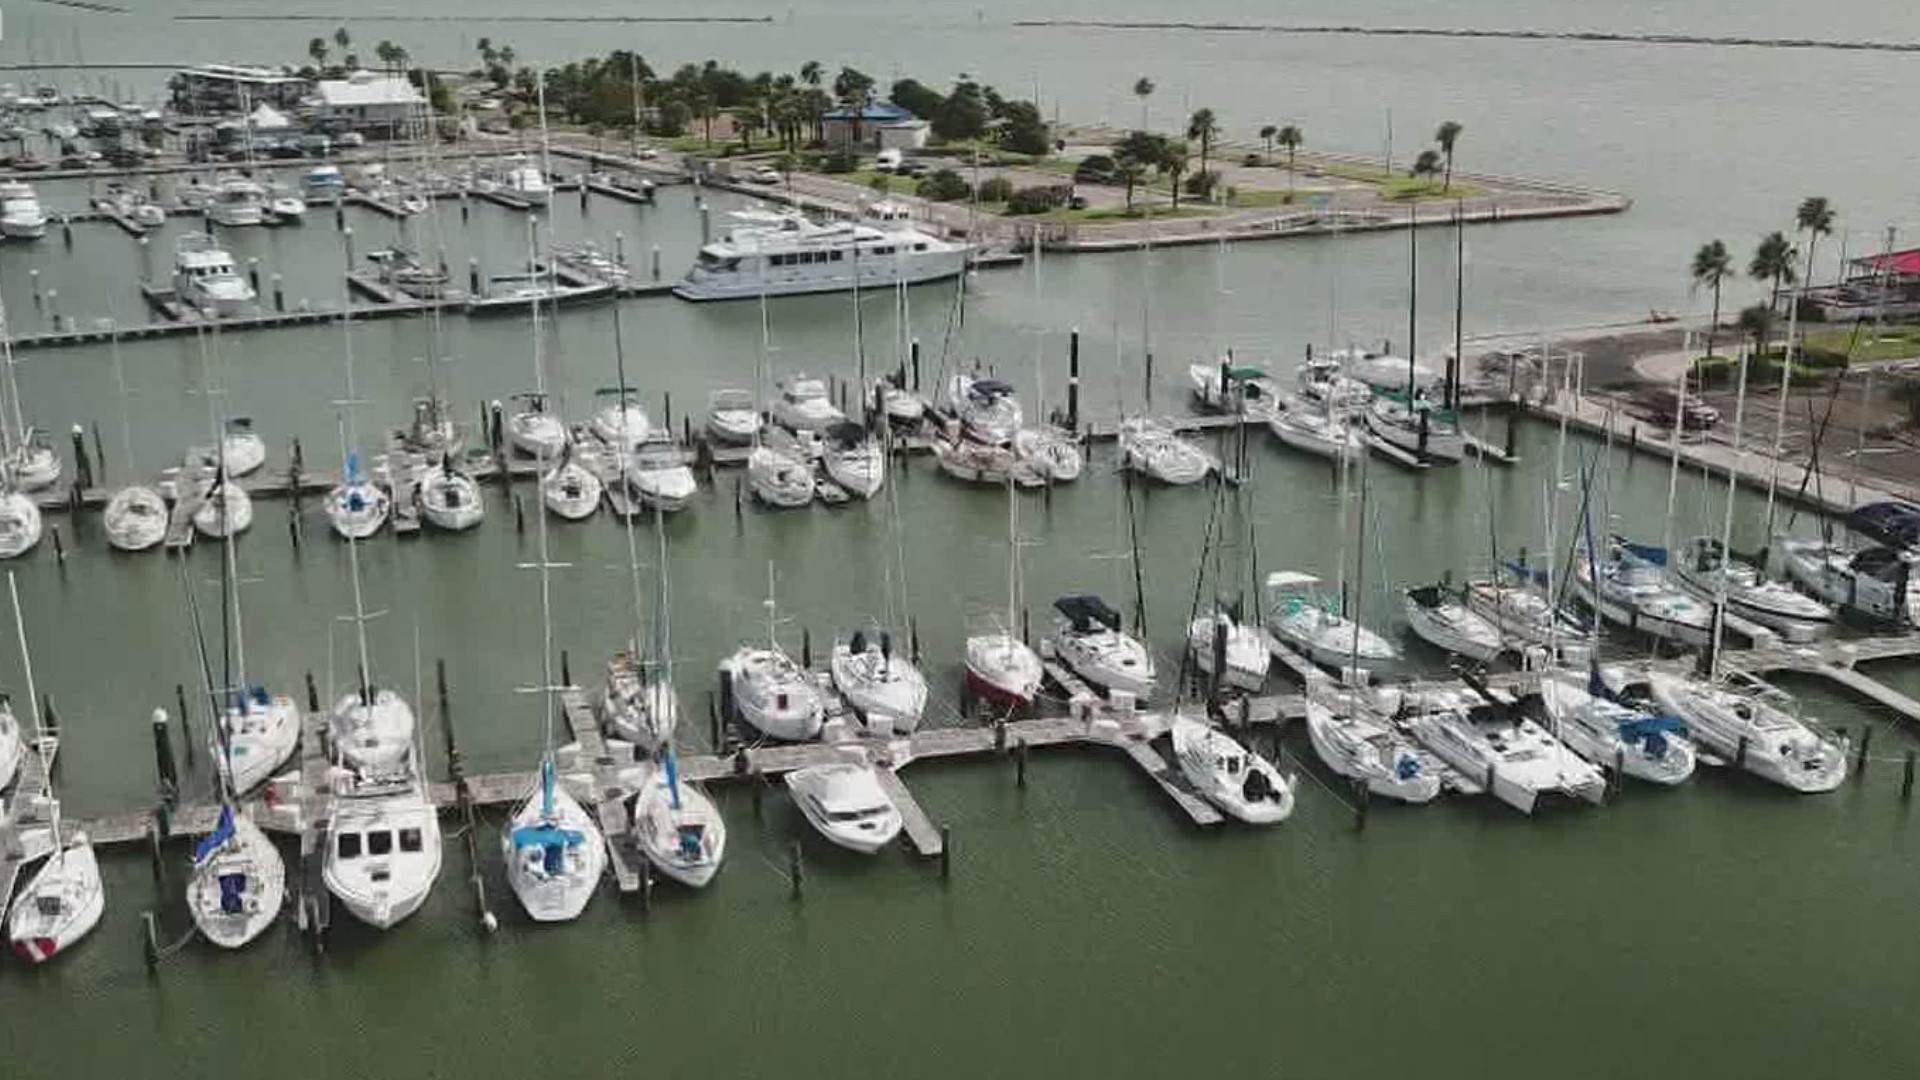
(1245,199)
(1115,213)
(1893,343)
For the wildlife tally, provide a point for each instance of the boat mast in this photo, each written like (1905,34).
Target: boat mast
(1780,407)
(1866,387)
(633,84)
(1673,469)
(1452,396)
(640,660)
(11,441)
(1413,294)
(33,707)
(1726,531)
(120,384)
(347,443)
(1359,573)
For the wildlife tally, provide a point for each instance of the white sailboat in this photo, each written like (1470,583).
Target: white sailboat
(1238,389)
(1521,611)
(1089,640)
(136,515)
(622,421)
(885,688)
(1365,748)
(1755,727)
(1444,620)
(846,804)
(1416,426)
(1230,776)
(239,881)
(852,458)
(772,692)
(779,475)
(1511,757)
(1314,430)
(1243,648)
(241,449)
(1152,448)
(1001,668)
(535,430)
(450,498)
(1052,452)
(677,827)
(1609,733)
(1750,593)
(570,490)
(225,509)
(1634,591)
(1311,625)
(12,747)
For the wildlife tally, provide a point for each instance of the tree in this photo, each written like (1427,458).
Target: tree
(943,185)
(1773,263)
(1815,218)
(343,39)
(1712,266)
(1266,137)
(811,72)
(920,100)
(1143,89)
(1448,134)
(850,87)
(1202,126)
(1132,157)
(1290,137)
(487,55)
(996,189)
(1173,165)
(1756,321)
(1426,166)
(963,115)
(1022,130)
(317,48)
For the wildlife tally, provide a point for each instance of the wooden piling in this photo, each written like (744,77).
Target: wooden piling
(1860,752)
(758,785)
(806,647)
(163,758)
(59,545)
(313,694)
(946,852)
(1362,799)
(796,873)
(1906,777)
(566,669)
(1020,764)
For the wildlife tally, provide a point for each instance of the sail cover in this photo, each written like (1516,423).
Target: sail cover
(1651,554)
(1895,524)
(1086,612)
(222,833)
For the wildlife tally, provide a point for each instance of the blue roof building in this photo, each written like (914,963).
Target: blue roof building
(877,125)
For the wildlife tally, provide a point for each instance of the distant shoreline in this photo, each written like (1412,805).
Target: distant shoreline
(1600,36)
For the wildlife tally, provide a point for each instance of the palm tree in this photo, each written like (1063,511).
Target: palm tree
(1266,138)
(1448,134)
(1756,321)
(1773,263)
(811,72)
(1173,164)
(1203,126)
(343,39)
(487,55)
(1815,218)
(1132,167)
(317,48)
(1143,89)
(1712,266)
(1426,166)
(1290,137)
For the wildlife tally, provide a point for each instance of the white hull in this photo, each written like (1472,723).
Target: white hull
(572,492)
(1363,751)
(1003,669)
(1247,658)
(233,919)
(1392,425)
(642,713)
(1109,659)
(1668,613)
(1453,627)
(774,694)
(1754,734)
(780,480)
(1155,451)
(846,804)
(387,874)
(1524,763)
(135,519)
(556,885)
(877,273)
(885,690)
(1303,429)
(1330,641)
(358,510)
(450,501)
(60,904)
(260,740)
(377,738)
(685,843)
(228,514)
(1228,775)
(861,470)
(20,524)
(666,488)
(1592,728)
(1054,453)
(537,434)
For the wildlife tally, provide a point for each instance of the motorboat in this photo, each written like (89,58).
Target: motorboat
(32,465)
(622,422)
(225,509)
(1088,639)
(1635,592)
(902,407)
(1364,748)
(1755,727)
(978,463)
(324,182)
(732,417)
(372,728)
(1230,776)
(1420,428)
(1312,625)
(357,507)
(1153,449)
(847,805)
(770,253)
(1052,452)
(1242,648)
(1871,582)
(677,827)
(774,694)
(780,476)
(125,202)
(638,704)
(20,524)
(571,490)
(61,903)
(1706,571)
(205,280)
(1313,429)
(536,431)
(238,201)
(801,404)
(658,474)
(554,852)
(21,217)
(135,518)
(449,498)
(987,409)
(885,688)
(520,178)
(1239,390)
(1442,619)
(286,208)
(1323,382)
(259,731)
(852,458)
(239,881)
(1502,752)
(1611,734)
(383,849)
(242,450)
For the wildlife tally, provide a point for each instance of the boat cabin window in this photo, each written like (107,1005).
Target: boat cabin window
(855,815)
(348,845)
(380,843)
(919,247)
(886,250)
(410,840)
(716,262)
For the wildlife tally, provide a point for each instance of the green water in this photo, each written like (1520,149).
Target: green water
(1722,929)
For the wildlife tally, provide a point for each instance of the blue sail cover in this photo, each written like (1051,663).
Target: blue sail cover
(1651,732)
(1527,573)
(222,833)
(233,889)
(1651,554)
(673,778)
(1407,767)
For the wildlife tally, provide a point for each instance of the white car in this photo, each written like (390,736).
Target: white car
(764,175)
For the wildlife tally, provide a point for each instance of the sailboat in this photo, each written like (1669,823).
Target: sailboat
(1509,755)
(536,430)
(622,421)
(372,726)
(20,524)
(1239,389)
(12,747)
(772,692)
(1752,595)
(239,448)
(779,471)
(356,507)
(658,475)
(852,458)
(1154,449)
(1607,732)
(570,490)
(136,515)
(1220,643)
(677,827)
(1000,667)
(1317,429)
(63,901)
(1229,775)
(985,408)
(1366,748)
(845,803)
(732,417)
(884,688)
(1313,625)
(1408,419)
(449,497)
(1443,619)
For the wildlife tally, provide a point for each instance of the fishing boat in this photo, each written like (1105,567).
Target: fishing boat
(1416,426)
(883,687)
(238,883)
(242,450)
(383,845)
(1314,626)
(1242,650)
(1755,727)
(1052,452)
(1750,593)
(801,404)
(1313,429)
(21,217)
(224,509)
(780,476)
(677,827)
(571,490)
(449,498)
(1365,748)
(638,705)
(205,280)
(1236,389)
(1230,776)
(1153,449)
(987,410)
(1441,618)
(520,178)
(621,422)
(1609,733)
(658,474)
(1088,639)
(535,430)
(733,417)
(852,458)
(845,803)
(1635,592)
(1508,755)
(357,507)
(135,518)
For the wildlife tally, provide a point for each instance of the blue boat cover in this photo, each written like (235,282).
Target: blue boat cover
(1651,732)
(222,833)
(1407,767)
(673,778)
(990,387)
(232,888)
(1895,524)
(1652,554)
(1527,573)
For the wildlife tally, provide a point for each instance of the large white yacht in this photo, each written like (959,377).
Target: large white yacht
(21,217)
(238,201)
(784,254)
(205,279)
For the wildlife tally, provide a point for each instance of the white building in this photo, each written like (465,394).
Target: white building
(366,100)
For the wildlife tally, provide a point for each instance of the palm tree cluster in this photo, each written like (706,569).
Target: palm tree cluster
(1776,263)
(1433,162)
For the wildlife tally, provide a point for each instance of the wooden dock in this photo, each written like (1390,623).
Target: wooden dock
(24,840)
(1171,783)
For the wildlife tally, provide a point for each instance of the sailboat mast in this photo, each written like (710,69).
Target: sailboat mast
(1673,470)
(10,440)
(1786,379)
(1726,529)
(1413,292)
(120,384)
(1013,556)
(1455,368)
(633,85)
(33,706)
(1866,388)
(633,551)
(1359,571)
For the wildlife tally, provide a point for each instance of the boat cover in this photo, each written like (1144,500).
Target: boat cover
(222,833)
(1427,596)
(1651,732)
(1895,524)
(1650,554)
(1085,612)
(846,433)
(1527,573)
(990,387)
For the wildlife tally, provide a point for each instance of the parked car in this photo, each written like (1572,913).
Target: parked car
(764,175)
(913,167)
(351,138)
(887,160)
(1659,406)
